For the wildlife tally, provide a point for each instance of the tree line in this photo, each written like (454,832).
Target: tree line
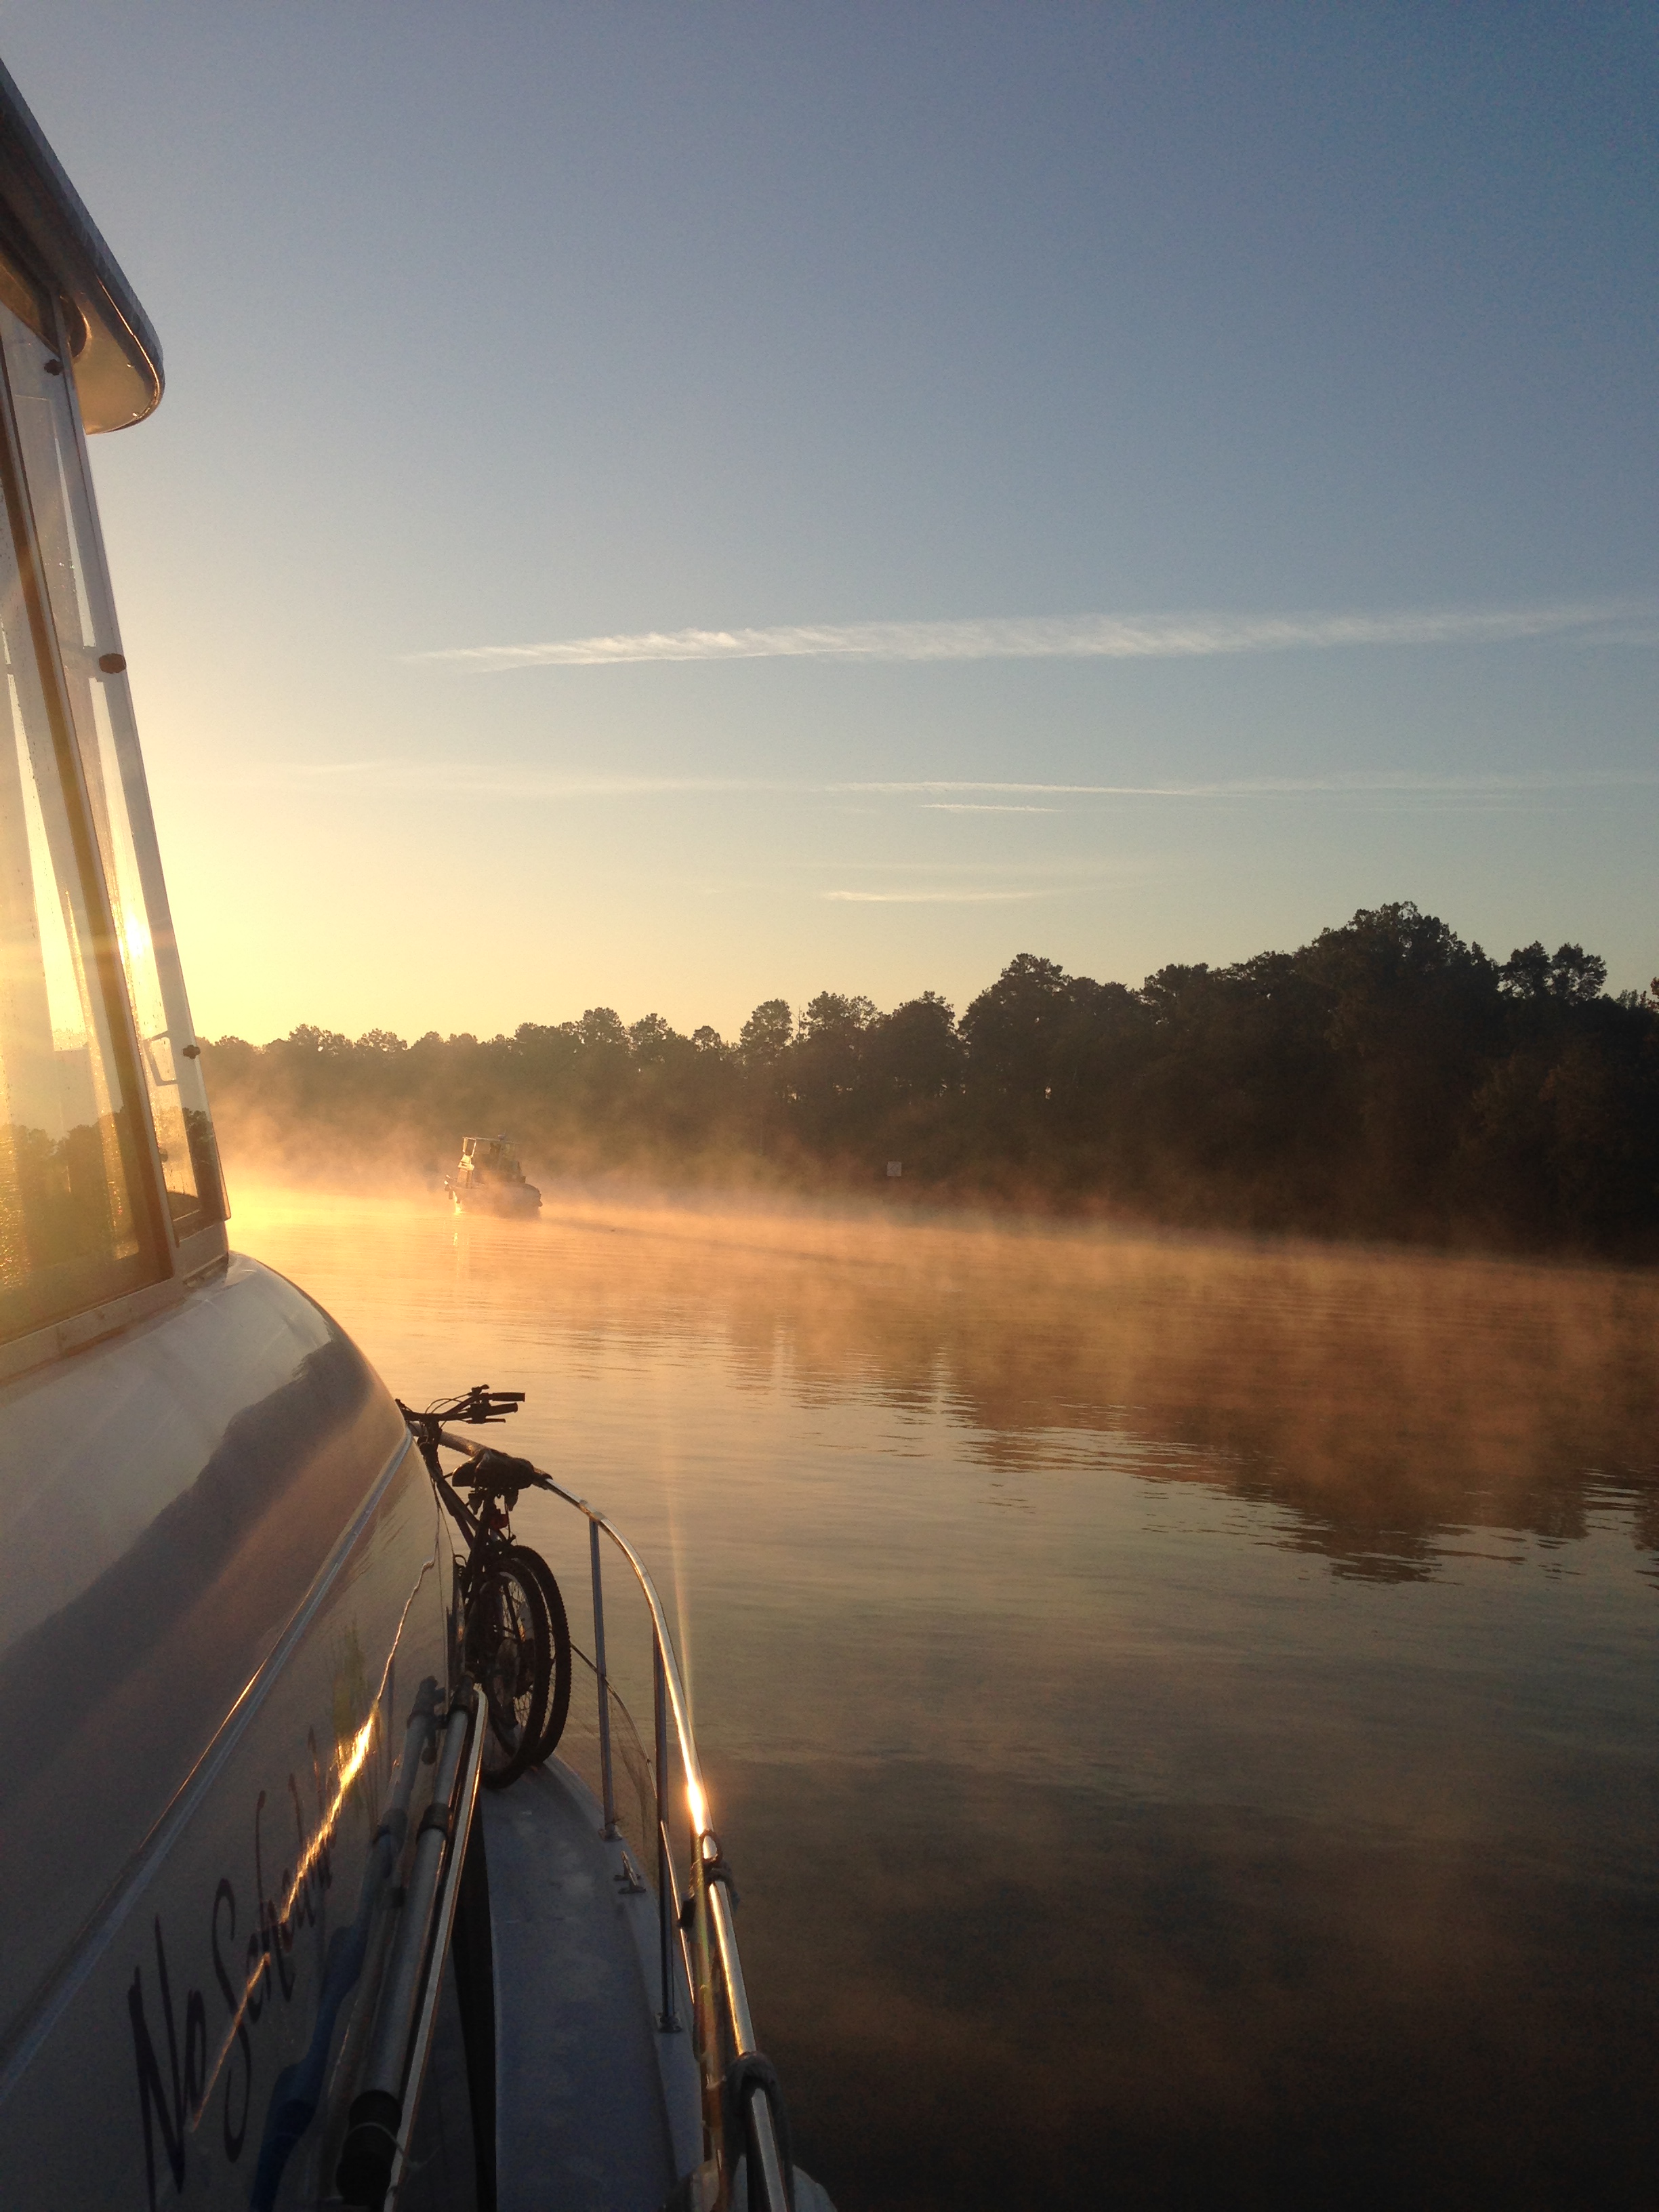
(1386,1079)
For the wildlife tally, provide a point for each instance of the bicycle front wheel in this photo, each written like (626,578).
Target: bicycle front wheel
(507,1652)
(558,1635)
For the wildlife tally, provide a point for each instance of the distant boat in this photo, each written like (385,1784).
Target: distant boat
(489,1180)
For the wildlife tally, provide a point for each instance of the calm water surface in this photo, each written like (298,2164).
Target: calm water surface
(1183,1715)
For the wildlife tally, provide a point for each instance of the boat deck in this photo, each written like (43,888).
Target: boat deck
(598,2109)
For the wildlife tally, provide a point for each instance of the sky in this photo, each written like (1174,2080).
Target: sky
(665,506)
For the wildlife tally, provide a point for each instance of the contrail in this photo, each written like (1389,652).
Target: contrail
(934,794)
(1086,637)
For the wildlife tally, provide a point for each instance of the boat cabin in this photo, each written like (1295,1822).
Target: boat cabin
(489,1180)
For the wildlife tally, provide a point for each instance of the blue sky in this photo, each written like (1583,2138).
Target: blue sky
(1128,483)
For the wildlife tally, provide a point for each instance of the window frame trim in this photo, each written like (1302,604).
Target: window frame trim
(86,532)
(140,1155)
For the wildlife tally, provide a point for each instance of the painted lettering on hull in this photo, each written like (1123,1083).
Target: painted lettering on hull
(177,2072)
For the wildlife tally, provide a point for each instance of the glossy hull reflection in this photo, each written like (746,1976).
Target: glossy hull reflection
(222,1592)
(1184,1715)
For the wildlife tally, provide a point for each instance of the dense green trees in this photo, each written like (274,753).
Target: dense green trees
(1387,1080)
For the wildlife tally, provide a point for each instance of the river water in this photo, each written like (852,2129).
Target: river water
(1183,1714)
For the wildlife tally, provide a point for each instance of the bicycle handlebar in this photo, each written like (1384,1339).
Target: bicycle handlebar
(475,1407)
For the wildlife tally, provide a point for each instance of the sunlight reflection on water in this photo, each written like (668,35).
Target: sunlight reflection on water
(1182,1713)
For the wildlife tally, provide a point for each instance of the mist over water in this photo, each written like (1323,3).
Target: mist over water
(1182,1712)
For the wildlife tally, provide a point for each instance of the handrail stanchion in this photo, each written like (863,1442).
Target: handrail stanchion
(706,2031)
(667,1914)
(774,2187)
(608,1777)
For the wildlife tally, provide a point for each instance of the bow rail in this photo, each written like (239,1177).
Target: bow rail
(743,2113)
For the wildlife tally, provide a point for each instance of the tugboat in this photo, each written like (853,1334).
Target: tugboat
(489,1180)
(304,1898)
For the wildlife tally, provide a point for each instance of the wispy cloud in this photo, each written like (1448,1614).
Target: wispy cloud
(1388,780)
(935,899)
(1084,637)
(493,781)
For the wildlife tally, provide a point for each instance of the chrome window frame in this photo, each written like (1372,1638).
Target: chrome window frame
(180,1260)
(204,1245)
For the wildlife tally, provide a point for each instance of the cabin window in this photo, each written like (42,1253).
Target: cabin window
(83,607)
(25,298)
(75,1229)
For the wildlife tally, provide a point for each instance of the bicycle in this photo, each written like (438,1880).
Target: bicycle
(514,1635)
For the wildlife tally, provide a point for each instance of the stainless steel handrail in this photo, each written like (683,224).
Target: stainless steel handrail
(382,2114)
(769,2181)
(463,1806)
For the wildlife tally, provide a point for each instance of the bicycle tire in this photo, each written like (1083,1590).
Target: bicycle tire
(558,1702)
(506,1650)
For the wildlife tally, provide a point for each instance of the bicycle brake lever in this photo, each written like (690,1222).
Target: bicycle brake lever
(482,1405)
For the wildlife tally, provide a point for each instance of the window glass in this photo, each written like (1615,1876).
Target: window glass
(71,1235)
(83,612)
(25,298)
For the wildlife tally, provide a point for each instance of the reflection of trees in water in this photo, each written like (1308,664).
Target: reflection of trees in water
(1384,1402)
(1378,1402)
